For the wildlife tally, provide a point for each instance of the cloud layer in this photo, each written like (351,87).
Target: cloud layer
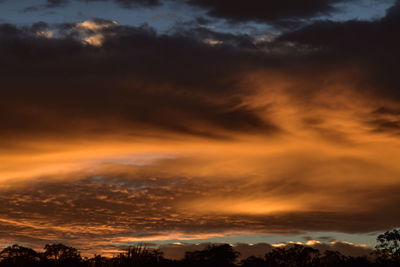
(113,133)
(287,12)
(276,12)
(123,3)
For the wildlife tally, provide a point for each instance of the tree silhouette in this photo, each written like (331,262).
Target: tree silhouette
(386,254)
(389,242)
(140,256)
(332,259)
(253,261)
(212,255)
(360,261)
(388,247)
(295,256)
(17,255)
(98,261)
(62,255)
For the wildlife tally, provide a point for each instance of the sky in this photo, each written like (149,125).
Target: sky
(183,122)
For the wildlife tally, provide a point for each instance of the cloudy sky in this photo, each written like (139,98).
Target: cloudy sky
(195,121)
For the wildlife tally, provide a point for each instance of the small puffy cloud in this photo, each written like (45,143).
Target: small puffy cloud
(96,25)
(95,40)
(91,31)
(212,42)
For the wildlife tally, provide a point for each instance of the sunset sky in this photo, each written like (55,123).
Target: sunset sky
(180,122)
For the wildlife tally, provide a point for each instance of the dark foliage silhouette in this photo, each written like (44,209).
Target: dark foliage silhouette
(388,248)
(386,254)
(332,258)
(140,256)
(61,255)
(16,255)
(212,255)
(297,255)
(253,261)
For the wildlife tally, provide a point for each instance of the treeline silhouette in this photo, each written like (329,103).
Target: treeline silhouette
(386,253)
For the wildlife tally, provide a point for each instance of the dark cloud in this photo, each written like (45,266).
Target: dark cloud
(30,9)
(56,3)
(131,3)
(137,79)
(52,4)
(370,46)
(278,12)
(385,120)
(287,13)
(123,3)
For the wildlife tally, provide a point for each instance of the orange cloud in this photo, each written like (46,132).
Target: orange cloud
(147,153)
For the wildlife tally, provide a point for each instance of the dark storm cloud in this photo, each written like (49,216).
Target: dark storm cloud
(371,46)
(285,13)
(136,79)
(280,12)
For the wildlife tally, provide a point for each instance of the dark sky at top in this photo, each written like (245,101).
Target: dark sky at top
(164,14)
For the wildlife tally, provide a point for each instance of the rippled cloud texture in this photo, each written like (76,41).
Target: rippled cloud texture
(112,134)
